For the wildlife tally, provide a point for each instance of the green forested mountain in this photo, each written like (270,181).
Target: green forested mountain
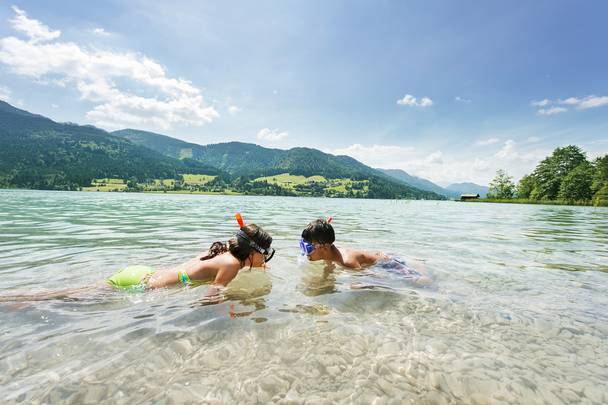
(250,161)
(36,152)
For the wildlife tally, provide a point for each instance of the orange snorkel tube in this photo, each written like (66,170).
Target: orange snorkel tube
(239,219)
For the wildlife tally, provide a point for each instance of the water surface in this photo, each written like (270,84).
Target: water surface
(517,312)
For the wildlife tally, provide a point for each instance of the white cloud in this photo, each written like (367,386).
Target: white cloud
(34,29)
(541,103)
(233,109)
(550,107)
(101,32)
(454,166)
(462,100)
(435,158)
(569,101)
(410,100)
(271,135)
(376,155)
(533,139)
(95,73)
(511,152)
(593,102)
(480,165)
(552,110)
(5,93)
(425,102)
(486,142)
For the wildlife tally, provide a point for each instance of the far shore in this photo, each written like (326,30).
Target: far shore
(534,202)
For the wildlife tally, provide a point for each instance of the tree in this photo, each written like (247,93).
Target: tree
(526,186)
(551,171)
(600,173)
(502,186)
(601,197)
(576,185)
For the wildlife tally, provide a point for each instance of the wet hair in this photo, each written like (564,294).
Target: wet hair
(319,231)
(239,247)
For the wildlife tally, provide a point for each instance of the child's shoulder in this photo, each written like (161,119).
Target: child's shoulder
(358,258)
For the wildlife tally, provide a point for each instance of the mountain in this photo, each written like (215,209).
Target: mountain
(468,188)
(419,182)
(37,152)
(251,161)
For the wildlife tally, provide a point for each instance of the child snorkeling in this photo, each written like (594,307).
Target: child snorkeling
(221,263)
(250,247)
(317,243)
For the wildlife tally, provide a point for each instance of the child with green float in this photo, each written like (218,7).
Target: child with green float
(317,243)
(250,247)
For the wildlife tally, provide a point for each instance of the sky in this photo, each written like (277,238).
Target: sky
(448,91)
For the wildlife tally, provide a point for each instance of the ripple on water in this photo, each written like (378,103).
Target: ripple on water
(516,313)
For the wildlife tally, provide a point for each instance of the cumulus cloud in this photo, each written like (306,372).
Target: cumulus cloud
(541,103)
(5,93)
(568,101)
(410,100)
(486,142)
(445,168)
(33,29)
(511,152)
(480,165)
(462,100)
(271,135)
(101,32)
(552,110)
(435,158)
(593,102)
(234,109)
(95,73)
(551,107)
(376,155)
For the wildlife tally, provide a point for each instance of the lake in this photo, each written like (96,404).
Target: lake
(516,313)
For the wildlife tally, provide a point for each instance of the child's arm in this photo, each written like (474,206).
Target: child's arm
(224,276)
(214,294)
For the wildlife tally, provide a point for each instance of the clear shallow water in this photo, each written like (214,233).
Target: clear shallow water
(517,313)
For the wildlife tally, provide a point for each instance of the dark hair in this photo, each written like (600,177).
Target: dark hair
(239,247)
(319,231)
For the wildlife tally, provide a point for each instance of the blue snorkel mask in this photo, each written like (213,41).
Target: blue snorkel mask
(306,248)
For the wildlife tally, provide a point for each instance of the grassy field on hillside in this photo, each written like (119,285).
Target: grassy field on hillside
(197,179)
(289,181)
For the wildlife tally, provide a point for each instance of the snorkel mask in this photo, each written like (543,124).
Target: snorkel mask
(306,248)
(267,253)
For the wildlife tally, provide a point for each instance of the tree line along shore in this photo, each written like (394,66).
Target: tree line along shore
(566,177)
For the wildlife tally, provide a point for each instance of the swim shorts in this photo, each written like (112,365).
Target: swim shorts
(396,265)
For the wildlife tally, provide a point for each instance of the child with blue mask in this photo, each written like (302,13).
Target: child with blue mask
(317,243)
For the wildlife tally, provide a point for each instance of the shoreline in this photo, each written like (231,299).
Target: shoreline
(534,202)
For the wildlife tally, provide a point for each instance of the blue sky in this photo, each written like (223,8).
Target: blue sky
(450,91)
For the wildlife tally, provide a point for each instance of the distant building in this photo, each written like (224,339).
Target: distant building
(466,197)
